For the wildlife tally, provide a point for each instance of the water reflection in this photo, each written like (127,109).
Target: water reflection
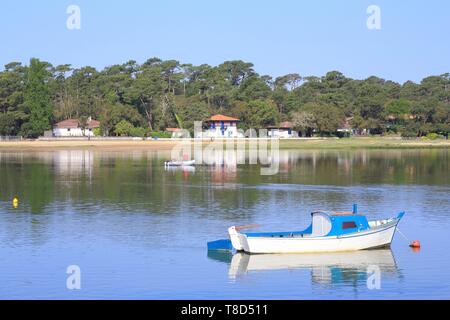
(72,162)
(326,269)
(184,169)
(79,206)
(138,177)
(333,167)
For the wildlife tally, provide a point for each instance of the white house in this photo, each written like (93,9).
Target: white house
(72,128)
(284,130)
(348,129)
(220,126)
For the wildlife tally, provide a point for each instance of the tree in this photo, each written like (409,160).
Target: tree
(254,88)
(83,124)
(7,124)
(327,118)
(290,81)
(304,122)
(149,88)
(123,128)
(397,111)
(189,110)
(37,99)
(236,71)
(161,93)
(260,114)
(111,115)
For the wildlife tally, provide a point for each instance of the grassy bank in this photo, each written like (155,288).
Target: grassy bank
(127,145)
(364,143)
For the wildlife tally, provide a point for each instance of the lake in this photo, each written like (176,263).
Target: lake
(139,231)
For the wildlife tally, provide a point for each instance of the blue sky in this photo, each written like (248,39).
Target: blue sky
(279,37)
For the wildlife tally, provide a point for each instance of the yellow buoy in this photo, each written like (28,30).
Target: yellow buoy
(15,202)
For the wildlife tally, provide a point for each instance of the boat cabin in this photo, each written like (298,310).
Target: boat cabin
(337,223)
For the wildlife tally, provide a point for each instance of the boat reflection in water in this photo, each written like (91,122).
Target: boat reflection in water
(326,268)
(188,169)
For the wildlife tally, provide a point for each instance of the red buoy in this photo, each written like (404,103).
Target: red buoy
(415,244)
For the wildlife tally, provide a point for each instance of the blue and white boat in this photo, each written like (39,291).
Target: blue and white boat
(328,232)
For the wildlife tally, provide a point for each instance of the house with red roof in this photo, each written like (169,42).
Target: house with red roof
(175,132)
(220,126)
(283,130)
(74,128)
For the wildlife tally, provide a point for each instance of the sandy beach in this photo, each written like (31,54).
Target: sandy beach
(120,145)
(124,145)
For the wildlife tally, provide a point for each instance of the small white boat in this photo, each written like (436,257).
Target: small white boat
(329,232)
(189,163)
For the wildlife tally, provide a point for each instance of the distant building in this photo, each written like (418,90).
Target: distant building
(72,128)
(347,128)
(284,130)
(175,132)
(220,126)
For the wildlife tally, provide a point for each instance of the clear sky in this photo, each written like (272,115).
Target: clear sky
(279,37)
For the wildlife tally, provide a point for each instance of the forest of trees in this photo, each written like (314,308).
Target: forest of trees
(137,99)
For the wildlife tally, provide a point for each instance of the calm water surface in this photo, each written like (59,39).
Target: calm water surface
(138,231)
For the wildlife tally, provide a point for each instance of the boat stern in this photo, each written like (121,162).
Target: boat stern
(238,240)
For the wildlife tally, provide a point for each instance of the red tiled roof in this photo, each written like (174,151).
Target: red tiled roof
(68,124)
(173,130)
(220,117)
(75,123)
(286,125)
(93,124)
(283,125)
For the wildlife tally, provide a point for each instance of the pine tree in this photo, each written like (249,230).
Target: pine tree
(37,102)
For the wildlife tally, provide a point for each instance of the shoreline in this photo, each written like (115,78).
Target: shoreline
(167,144)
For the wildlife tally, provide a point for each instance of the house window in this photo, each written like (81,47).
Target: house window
(349,225)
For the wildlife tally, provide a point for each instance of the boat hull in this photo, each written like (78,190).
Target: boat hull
(180,163)
(373,238)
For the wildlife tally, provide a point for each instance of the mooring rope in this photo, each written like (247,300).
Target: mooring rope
(402,234)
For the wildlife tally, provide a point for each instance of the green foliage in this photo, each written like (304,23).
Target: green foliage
(7,124)
(303,122)
(260,114)
(409,134)
(97,132)
(123,128)
(126,129)
(327,118)
(138,132)
(189,110)
(398,111)
(37,99)
(113,114)
(432,136)
(159,94)
(160,134)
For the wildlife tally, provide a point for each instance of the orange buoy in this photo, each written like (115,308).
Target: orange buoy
(415,244)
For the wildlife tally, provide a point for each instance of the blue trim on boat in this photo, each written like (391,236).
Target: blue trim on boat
(356,234)
(365,234)
(224,244)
